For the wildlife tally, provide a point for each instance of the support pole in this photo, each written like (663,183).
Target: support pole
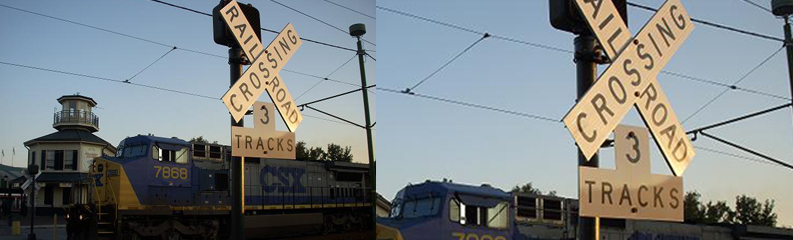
(32,235)
(789,46)
(237,184)
(357,30)
(586,70)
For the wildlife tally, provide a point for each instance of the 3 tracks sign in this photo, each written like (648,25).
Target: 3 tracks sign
(630,80)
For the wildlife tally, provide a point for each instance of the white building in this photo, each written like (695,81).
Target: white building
(66,156)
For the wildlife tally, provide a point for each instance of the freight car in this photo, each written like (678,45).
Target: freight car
(167,188)
(445,210)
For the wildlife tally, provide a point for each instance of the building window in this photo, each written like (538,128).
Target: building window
(68,159)
(33,157)
(50,160)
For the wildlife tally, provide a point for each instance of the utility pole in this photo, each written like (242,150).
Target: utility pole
(564,15)
(222,35)
(358,30)
(237,184)
(33,169)
(784,8)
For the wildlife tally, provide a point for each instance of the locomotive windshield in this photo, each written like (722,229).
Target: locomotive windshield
(421,207)
(132,150)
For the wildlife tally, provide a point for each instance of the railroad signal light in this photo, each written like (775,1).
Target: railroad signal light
(567,17)
(223,34)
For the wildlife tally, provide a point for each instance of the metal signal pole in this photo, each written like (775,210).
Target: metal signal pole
(586,71)
(237,184)
(358,30)
(784,9)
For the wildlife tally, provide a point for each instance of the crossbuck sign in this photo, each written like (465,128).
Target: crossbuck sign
(263,74)
(631,80)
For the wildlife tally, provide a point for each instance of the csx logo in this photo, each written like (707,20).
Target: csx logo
(284,179)
(98,179)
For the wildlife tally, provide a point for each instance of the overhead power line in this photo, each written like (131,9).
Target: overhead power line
(155,61)
(733,155)
(733,84)
(168,45)
(349,9)
(473,105)
(447,63)
(715,25)
(733,87)
(557,49)
(318,20)
(477,32)
(140,85)
(108,79)
(265,29)
(326,77)
(757,5)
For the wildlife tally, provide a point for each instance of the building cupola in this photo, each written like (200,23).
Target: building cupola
(76,114)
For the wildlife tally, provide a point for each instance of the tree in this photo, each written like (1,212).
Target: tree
(301,153)
(747,211)
(199,139)
(316,153)
(337,154)
(718,213)
(692,211)
(527,188)
(750,211)
(334,153)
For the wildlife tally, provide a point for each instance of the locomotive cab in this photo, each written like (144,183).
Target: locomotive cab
(444,210)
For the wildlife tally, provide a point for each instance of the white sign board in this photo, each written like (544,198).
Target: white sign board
(631,80)
(263,74)
(631,191)
(263,141)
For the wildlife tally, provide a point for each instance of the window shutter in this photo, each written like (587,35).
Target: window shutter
(43,159)
(74,160)
(58,160)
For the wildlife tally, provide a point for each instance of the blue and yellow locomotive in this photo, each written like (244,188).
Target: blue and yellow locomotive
(167,188)
(446,210)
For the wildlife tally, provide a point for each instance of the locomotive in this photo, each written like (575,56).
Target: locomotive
(446,210)
(167,188)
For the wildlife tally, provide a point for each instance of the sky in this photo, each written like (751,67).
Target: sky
(28,97)
(430,140)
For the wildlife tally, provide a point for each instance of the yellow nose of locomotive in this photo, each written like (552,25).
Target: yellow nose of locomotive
(388,233)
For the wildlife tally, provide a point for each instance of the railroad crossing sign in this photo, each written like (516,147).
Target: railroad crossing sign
(263,74)
(630,191)
(262,141)
(29,180)
(631,80)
